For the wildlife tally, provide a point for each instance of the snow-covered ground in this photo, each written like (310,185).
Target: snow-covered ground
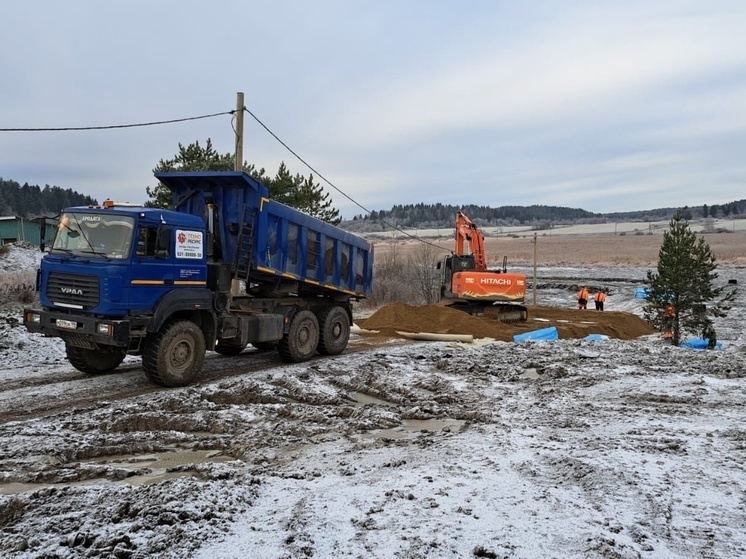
(572,449)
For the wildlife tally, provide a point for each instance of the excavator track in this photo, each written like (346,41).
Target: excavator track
(504,312)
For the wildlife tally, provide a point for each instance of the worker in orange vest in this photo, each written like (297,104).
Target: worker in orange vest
(599,299)
(668,320)
(583,298)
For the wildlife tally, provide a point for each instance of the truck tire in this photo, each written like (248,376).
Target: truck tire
(226,349)
(174,356)
(334,324)
(300,343)
(94,361)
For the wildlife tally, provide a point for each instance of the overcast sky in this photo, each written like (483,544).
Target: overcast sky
(603,105)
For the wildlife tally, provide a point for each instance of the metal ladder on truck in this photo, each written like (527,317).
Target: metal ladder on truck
(244,245)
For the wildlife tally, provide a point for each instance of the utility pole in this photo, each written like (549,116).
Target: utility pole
(534,269)
(239,132)
(238,165)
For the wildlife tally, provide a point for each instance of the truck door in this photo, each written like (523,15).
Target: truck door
(153,268)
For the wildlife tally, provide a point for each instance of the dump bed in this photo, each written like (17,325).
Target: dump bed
(268,240)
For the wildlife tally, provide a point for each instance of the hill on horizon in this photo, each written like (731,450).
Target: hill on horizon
(30,201)
(430,216)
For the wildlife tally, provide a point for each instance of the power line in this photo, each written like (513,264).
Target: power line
(327,181)
(113,126)
(232,112)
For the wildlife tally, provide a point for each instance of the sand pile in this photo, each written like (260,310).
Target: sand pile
(571,323)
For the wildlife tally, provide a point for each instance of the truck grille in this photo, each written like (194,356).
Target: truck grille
(81,292)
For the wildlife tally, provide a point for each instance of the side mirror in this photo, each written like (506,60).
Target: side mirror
(42,234)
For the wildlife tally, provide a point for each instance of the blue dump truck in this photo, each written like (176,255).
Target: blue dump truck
(226,267)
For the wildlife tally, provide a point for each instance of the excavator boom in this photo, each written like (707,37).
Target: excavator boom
(468,234)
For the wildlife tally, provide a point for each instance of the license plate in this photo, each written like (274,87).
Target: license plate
(69,324)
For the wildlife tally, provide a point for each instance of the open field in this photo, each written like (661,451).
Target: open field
(609,228)
(593,249)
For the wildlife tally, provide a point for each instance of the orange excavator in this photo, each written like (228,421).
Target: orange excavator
(468,285)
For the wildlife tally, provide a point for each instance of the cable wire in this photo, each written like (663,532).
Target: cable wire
(110,127)
(327,181)
(232,112)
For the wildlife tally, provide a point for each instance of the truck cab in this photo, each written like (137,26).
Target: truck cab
(115,260)
(106,271)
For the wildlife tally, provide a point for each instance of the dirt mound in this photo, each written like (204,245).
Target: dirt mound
(570,323)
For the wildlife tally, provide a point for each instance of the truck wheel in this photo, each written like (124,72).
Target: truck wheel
(94,361)
(226,349)
(335,330)
(299,344)
(174,356)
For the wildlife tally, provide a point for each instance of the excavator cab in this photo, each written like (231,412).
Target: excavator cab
(449,265)
(460,263)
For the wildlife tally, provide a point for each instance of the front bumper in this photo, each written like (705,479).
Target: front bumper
(78,330)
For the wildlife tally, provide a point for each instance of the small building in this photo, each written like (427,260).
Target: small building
(15,229)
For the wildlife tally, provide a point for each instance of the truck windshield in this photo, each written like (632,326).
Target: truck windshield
(106,236)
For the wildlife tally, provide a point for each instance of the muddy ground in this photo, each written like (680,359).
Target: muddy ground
(622,448)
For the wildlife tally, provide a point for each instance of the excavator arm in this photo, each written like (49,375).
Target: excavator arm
(470,240)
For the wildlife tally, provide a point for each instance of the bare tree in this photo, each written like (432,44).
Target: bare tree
(390,282)
(411,279)
(421,267)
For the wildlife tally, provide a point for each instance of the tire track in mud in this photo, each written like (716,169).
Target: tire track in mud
(80,391)
(34,380)
(18,401)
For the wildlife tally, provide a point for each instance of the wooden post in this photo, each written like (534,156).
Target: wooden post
(238,165)
(239,132)
(534,269)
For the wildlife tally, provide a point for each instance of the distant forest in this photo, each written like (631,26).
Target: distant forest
(30,201)
(431,216)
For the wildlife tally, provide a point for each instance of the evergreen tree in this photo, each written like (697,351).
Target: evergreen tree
(315,202)
(284,186)
(29,201)
(685,280)
(190,158)
(295,191)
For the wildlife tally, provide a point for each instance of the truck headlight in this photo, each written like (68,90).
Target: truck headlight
(105,329)
(33,318)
